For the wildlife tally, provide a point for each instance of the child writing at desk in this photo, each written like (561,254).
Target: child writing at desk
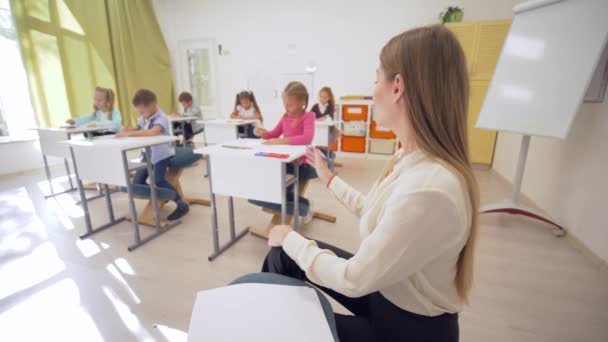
(154,122)
(297,127)
(190,110)
(246,108)
(103,114)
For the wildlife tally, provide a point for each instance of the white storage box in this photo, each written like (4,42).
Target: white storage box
(382,146)
(355,128)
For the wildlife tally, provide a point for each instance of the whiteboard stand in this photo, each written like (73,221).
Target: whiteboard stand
(513,206)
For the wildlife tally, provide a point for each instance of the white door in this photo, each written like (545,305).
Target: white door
(198,74)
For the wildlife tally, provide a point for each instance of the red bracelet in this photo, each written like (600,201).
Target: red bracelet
(329,181)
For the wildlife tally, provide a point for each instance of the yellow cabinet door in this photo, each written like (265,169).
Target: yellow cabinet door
(491,36)
(481,141)
(467,36)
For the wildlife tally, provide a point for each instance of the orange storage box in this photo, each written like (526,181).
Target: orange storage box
(353,144)
(354,112)
(380,132)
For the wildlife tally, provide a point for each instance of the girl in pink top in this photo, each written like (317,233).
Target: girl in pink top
(297,127)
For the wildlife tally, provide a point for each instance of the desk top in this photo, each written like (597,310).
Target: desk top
(229,122)
(327,123)
(252,146)
(123,144)
(182,118)
(73,129)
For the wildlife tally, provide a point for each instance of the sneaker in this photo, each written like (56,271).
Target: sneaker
(178,213)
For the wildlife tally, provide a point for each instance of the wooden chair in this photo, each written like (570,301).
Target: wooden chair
(275,210)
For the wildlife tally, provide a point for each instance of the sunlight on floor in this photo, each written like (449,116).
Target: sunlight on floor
(27,271)
(116,273)
(128,318)
(124,266)
(87,247)
(57,314)
(171,334)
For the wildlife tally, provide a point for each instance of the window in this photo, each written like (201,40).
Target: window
(16,113)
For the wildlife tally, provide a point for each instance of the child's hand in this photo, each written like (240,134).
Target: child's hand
(259,132)
(175,114)
(122,134)
(234,115)
(275,141)
(70,121)
(92,124)
(316,160)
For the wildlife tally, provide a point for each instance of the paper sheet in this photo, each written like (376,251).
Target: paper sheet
(258,312)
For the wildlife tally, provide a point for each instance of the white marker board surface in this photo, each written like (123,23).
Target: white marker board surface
(545,67)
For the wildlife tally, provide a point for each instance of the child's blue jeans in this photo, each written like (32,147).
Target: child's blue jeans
(160,169)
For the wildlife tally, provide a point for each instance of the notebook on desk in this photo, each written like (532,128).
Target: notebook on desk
(258,312)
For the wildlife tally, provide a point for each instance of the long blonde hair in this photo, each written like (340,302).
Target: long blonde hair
(109,97)
(298,91)
(432,64)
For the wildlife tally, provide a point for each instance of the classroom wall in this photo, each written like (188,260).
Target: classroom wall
(343,38)
(19,156)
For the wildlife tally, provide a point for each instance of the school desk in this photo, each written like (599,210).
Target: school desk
(104,160)
(267,180)
(50,146)
(223,130)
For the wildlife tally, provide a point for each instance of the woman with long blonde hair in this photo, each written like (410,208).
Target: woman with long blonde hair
(413,270)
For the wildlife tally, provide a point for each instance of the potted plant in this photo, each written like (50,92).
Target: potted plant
(452,14)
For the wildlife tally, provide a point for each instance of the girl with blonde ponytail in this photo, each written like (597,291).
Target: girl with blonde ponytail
(413,270)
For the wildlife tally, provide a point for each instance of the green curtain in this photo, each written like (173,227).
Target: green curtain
(141,57)
(71,46)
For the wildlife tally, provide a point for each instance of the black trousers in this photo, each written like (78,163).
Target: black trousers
(188,132)
(374,317)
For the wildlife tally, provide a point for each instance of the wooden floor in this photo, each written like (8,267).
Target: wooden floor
(530,286)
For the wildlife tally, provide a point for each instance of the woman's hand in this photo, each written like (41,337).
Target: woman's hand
(316,159)
(277,235)
(92,124)
(276,141)
(259,132)
(70,121)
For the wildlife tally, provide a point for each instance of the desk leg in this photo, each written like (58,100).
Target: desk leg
(67,172)
(131,200)
(83,199)
(106,188)
(217,249)
(231,213)
(48,176)
(283,193)
(183,132)
(296,195)
(152,188)
(159,230)
(214,226)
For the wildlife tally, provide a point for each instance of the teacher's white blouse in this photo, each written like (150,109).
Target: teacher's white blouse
(413,225)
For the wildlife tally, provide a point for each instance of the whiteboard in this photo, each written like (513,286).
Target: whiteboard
(545,67)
